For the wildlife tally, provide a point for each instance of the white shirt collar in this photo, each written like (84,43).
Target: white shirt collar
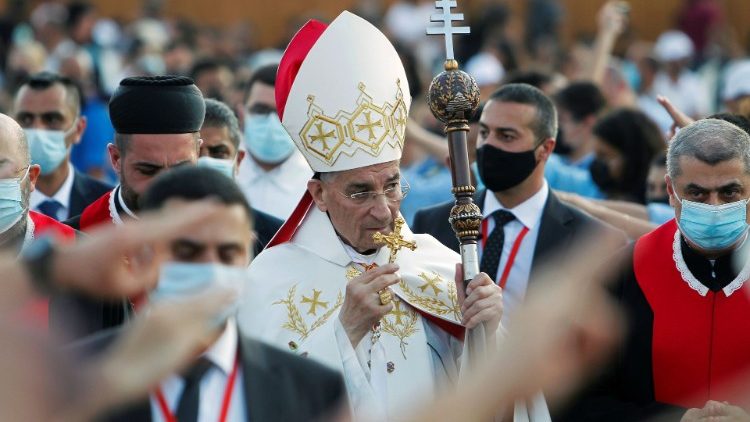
(528,212)
(223,352)
(62,195)
(295,163)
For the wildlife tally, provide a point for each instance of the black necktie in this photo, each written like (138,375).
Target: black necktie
(493,247)
(50,207)
(187,407)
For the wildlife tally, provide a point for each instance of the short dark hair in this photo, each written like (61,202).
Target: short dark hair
(206,65)
(193,183)
(581,99)
(545,124)
(220,115)
(265,75)
(45,80)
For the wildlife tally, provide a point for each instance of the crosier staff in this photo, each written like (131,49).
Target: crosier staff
(453,97)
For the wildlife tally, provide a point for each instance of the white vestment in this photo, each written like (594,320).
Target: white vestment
(296,291)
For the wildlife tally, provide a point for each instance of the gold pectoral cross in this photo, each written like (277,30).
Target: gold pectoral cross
(394,241)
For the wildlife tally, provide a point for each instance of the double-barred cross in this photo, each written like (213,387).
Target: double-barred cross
(447,30)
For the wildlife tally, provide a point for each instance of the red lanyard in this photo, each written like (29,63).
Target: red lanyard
(170,417)
(513,251)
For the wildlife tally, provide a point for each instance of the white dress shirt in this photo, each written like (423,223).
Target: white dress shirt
(62,196)
(213,384)
(278,191)
(528,214)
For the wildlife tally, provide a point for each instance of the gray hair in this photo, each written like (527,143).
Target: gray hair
(711,141)
(220,115)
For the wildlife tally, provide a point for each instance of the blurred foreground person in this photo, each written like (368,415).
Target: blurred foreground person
(221,151)
(38,380)
(560,337)
(325,287)
(48,107)
(233,377)
(685,289)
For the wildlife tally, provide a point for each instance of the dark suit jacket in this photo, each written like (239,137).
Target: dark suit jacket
(266,226)
(278,385)
(85,190)
(560,225)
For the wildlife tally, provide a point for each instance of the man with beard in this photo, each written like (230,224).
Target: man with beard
(157,122)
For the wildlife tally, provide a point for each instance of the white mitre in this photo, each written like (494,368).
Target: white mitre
(342,121)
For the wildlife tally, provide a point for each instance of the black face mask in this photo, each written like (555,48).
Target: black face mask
(602,176)
(501,170)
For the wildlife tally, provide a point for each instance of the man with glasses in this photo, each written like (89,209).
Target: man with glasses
(390,319)
(48,107)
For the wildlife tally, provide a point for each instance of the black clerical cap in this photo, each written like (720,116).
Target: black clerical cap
(156,105)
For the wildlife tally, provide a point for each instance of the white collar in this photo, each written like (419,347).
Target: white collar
(122,203)
(693,282)
(528,212)
(62,195)
(358,257)
(224,351)
(293,164)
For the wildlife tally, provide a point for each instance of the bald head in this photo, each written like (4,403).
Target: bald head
(13,146)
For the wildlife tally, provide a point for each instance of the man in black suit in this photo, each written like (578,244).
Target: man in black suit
(524,222)
(48,107)
(221,150)
(252,380)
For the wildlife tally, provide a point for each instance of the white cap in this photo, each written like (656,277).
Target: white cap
(737,81)
(486,69)
(348,104)
(672,46)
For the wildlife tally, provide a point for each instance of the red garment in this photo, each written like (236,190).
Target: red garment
(96,213)
(699,342)
(37,311)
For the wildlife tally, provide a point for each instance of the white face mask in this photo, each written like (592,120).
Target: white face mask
(180,280)
(11,202)
(225,167)
(47,147)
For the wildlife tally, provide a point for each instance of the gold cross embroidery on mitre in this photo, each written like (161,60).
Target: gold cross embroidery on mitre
(321,136)
(394,241)
(369,125)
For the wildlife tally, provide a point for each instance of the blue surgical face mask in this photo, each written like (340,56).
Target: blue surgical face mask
(225,167)
(47,147)
(266,139)
(180,280)
(11,202)
(713,227)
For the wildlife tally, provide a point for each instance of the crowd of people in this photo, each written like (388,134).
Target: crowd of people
(194,226)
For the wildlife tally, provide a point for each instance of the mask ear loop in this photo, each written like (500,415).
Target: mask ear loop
(25,174)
